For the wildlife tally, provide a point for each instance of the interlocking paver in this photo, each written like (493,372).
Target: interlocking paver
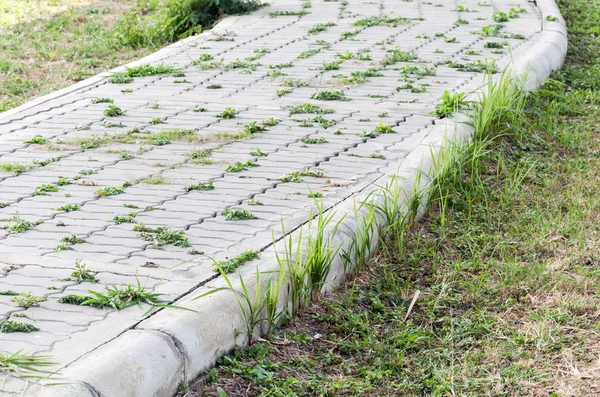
(100,169)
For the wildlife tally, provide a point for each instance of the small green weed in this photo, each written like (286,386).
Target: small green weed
(237,215)
(230,265)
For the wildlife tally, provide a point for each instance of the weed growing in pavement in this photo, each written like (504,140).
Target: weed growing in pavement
(161,235)
(449,104)
(320,27)
(27,300)
(36,140)
(307,108)
(18,225)
(335,65)
(239,166)
(313,141)
(253,128)
(258,153)
(348,34)
(81,274)
(21,365)
(9,326)
(292,177)
(72,239)
(102,100)
(296,83)
(113,111)
(118,219)
(230,265)
(117,298)
(329,96)
(209,185)
(15,168)
(275,14)
(281,65)
(228,113)
(237,215)
(44,189)
(308,53)
(283,92)
(108,191)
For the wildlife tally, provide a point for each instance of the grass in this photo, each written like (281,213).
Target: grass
(237,215)
(117,298)
(494,292)
(9,326)
(161,236)
(27,300)
(23,365)
(230,265)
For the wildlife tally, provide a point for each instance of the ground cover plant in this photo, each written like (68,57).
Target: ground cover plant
(494,292)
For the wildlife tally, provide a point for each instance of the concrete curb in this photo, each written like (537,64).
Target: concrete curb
(176,345)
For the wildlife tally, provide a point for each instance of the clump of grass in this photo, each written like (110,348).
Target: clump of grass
(118,219)
(20,364)
(113,111)
(9,326)
(162,236)
(329,96)
(275,14)
(335,65)
(320,27)
(209,185)
(230,265)
(108,191)
(36,140)
(17,224)
(239,166)
(313,141)
(102,100)
(44,189)
(27,300)
(348,34)
(81,274)
(228,113)
(449,104)
(72,239)
(237,215)
(16,168)
(258,153)
(308,108)
(384,129)
(294,177)
(117,298)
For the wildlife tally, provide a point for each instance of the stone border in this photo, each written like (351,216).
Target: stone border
(178,345)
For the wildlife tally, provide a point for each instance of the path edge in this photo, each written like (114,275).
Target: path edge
(175,346)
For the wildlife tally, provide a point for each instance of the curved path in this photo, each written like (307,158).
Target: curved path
(76,178)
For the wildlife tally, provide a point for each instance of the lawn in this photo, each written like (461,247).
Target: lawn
(47,45)
(505,267)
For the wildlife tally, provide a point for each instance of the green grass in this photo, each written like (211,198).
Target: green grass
(21,365)
(494,292)
(230,265)
(117,298)
(161,235)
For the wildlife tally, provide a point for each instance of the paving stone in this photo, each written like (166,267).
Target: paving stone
(154,173)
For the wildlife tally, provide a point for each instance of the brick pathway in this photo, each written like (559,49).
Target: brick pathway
(118,173)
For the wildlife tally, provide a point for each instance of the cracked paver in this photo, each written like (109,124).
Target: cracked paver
(146,173)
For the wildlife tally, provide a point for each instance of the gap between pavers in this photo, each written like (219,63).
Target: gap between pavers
(176,345)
